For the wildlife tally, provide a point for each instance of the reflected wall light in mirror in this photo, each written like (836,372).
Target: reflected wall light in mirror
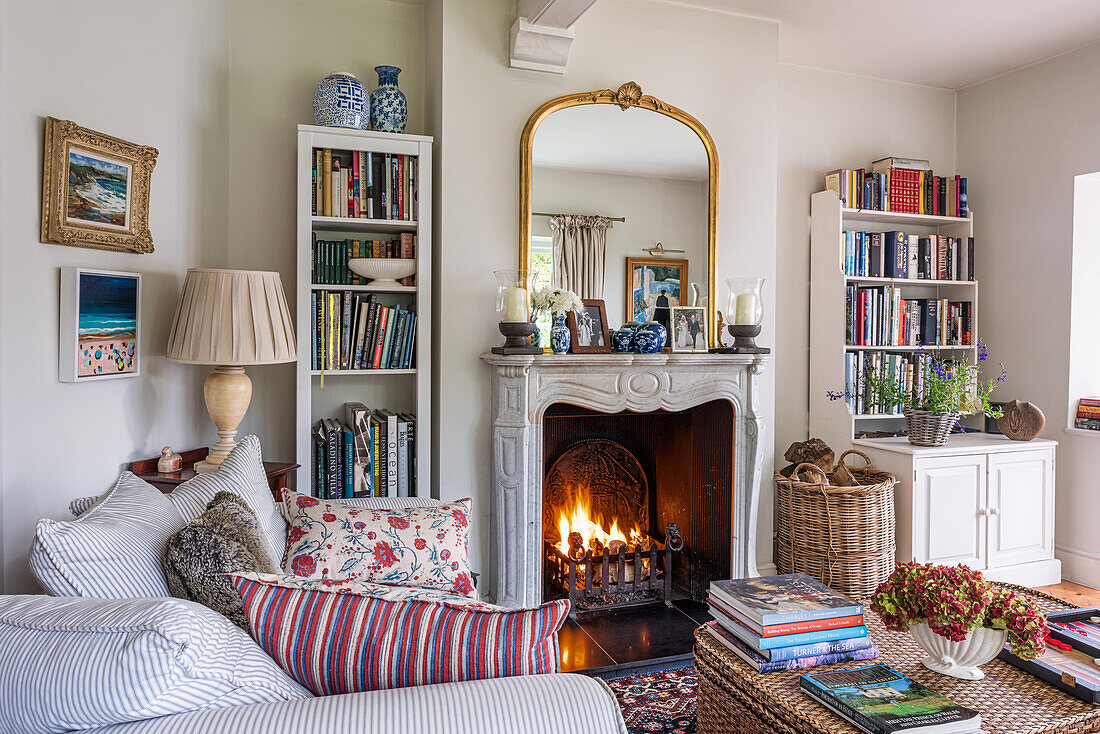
(647,166)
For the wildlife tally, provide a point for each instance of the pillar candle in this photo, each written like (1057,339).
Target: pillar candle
(746,309)
(515,305)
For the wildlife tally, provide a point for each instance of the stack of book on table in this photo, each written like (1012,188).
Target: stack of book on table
(787,622)
(880,700)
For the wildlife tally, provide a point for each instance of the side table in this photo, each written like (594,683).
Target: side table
(280,475)
(735,699)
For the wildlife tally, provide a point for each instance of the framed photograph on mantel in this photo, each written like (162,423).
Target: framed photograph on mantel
(588,328)
(652,283)
(689,329)
(95,189)
(100,325)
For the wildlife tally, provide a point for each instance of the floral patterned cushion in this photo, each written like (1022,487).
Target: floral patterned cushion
(414,546)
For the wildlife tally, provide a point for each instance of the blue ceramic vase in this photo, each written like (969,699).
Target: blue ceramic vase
(535,339)
(389,109)
(341,100)
(622,340)
(650,338)
(559,335)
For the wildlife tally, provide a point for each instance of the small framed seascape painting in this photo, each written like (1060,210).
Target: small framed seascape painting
(689,329)
(652,283)
(95,189)
(588,328)
(100,325)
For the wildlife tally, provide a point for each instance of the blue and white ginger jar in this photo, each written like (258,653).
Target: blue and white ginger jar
(650,338)
(389,110)
(622,340)
(559,335)
(341,100)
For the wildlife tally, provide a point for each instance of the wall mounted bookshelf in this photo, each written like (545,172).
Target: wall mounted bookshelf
(834,421)
(322,394)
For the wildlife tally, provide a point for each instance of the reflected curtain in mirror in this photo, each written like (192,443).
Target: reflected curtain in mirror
(580,252)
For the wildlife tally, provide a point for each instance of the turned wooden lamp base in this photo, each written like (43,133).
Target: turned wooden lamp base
(744,340)
(228,391)
(517,338)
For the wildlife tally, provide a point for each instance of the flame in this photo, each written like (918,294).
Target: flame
(591,529)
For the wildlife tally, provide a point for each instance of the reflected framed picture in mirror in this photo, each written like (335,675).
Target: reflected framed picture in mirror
(588,328)
(689,329)
(653,283)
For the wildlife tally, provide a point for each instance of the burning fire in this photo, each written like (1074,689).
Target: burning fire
(591,530)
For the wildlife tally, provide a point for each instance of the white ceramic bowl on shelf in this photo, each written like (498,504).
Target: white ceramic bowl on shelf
(383,271)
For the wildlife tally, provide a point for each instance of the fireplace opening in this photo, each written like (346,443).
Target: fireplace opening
(637,507)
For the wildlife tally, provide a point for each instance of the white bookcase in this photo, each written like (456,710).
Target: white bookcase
(406,390)
(982,499)
(832,420)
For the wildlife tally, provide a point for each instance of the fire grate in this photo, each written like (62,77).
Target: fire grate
(615,576)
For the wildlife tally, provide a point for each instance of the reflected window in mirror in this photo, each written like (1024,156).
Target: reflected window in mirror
(541,263)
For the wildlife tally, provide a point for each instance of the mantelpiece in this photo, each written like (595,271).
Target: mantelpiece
(524,387)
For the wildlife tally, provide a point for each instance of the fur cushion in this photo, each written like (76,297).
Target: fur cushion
(224,539)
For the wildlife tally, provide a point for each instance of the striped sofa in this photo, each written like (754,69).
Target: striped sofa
(84,661)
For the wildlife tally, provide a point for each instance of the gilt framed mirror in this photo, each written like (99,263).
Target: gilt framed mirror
(611,178)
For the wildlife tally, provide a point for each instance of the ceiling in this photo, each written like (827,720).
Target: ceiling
(633,142)
(942,43)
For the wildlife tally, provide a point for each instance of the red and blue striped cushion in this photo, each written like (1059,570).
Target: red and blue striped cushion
(338,642)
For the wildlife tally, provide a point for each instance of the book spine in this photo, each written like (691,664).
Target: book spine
(813,625)
(332,470)
(402,458)
(819,648)
(391,455)
(345,331)
(376,445)
(380,336)
(349,464)
(355,212)
(400,187)
(413,491)
(813,661)
(326,182)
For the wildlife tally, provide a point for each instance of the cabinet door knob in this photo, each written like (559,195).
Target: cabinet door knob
(984,512)
(994,510)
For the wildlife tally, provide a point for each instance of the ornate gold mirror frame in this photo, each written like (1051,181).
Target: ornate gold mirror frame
(627,96)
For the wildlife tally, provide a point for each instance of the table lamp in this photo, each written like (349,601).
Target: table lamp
(230,319)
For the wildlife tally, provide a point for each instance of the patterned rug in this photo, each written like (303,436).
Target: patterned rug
(662,701)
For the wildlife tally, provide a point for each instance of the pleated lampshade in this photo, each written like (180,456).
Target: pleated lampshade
(231,317)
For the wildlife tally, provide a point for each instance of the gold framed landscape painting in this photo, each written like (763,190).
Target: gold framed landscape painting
(95,189)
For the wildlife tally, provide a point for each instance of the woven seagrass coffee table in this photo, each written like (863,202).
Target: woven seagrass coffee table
(735,699)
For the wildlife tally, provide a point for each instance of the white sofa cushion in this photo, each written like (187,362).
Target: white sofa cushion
(106,661)
(111,551)
(561,703)
(242,473)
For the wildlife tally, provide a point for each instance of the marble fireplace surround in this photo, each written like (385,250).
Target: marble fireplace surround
(523,387)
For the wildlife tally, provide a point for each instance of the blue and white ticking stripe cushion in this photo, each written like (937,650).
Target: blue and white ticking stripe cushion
(530,704)
(113,550)
(106,661)
(242,473)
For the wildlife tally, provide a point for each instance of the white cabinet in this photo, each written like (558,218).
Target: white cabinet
(982,500)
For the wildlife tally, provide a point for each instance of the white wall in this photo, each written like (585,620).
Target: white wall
(720,68)
(1084,349)
(830,120)
(151,73)
(1022,138)
(670,211)
(278,52)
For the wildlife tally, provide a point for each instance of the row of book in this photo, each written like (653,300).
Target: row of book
(354,331)
(878,316)
(364,185)
(371,453)
(902,185)
(1088,413)
(907,370)
(787,622)
(329,258)
(899,255)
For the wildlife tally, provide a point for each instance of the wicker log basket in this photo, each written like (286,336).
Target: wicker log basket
(841,536)
(928,429)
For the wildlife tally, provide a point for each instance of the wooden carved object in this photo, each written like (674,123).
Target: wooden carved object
(1021,421)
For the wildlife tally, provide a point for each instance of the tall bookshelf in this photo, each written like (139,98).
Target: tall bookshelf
(323,395)
(833,420)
